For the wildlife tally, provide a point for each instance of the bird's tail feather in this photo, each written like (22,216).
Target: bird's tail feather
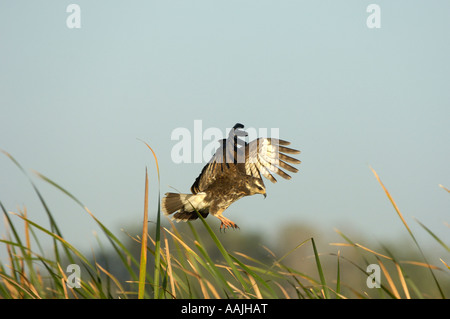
(184,206)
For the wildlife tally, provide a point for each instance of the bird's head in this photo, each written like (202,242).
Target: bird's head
(256,186)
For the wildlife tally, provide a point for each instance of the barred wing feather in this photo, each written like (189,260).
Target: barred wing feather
(266,156)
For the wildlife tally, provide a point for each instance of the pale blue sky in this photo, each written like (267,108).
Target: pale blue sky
(74,101)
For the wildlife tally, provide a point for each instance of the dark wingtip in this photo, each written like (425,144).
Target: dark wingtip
(238,125)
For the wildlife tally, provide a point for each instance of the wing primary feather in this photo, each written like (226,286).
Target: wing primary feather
(265,172)
(288,159)
(277,141)
(274,169)
(288,150)
(283,142)
(287,166)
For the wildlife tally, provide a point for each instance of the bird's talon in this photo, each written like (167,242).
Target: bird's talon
(226,223)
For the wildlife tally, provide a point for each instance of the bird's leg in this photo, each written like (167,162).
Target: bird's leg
(225,223)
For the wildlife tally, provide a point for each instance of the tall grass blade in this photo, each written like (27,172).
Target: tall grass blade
(389,279)
(320,270)
(221,281)
(409,230)
(224,253)
(291,251)
(53,225)
(124,254)
(158,231)
(393,203)
(61,240)
(402,281)
(255,278)
(443,187)
(169,268)
(143,261)
(338,276)
(434,236)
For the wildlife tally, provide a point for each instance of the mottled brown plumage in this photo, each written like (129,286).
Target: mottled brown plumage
(233,172)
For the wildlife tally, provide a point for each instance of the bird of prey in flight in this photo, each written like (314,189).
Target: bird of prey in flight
(234,171)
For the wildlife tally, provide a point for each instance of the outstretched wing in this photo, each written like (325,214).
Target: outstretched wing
(262,156)
(265,156)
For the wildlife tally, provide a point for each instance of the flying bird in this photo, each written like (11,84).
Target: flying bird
(234,171)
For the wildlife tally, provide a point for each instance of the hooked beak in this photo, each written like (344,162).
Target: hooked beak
(265,195)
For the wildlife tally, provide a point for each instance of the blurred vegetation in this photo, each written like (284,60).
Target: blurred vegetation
(353,259)
(196,260)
